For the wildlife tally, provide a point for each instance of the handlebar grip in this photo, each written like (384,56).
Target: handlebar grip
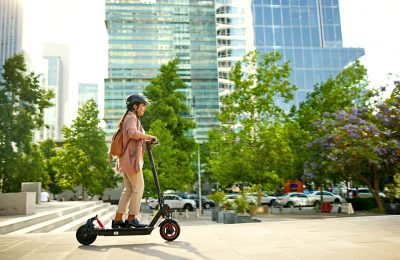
(153,142)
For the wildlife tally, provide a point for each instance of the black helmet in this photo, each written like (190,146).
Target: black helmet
(135,99)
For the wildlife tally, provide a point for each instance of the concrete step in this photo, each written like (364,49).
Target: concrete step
(105,215)
(51,224)
(44,212)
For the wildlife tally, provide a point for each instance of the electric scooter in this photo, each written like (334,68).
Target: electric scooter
(169,228)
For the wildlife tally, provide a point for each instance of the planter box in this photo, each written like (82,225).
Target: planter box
(214,214)
(230,218)
(19,203)
(221,216)
(243,219)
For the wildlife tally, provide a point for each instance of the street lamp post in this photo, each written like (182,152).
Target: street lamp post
(199,176)
(198,161)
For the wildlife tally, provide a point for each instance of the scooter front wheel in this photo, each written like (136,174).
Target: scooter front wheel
(85,236)
(169,229)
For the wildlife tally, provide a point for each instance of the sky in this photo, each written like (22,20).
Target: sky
(373,25)
(78,24)
(369,24)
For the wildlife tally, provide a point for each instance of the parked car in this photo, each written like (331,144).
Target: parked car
(364,193)
(206,203)
(265,199)
(174,202)
(231,198)
(291,199)
(327,197)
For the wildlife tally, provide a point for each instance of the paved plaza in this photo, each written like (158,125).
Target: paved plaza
(361,237)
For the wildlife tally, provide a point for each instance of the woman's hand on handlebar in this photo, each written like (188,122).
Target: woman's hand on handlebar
(153,139)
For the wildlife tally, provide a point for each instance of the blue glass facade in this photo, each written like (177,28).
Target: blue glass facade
(143,35)
(54,115)
(11,12)
(308,34)
(53,73)
(87,91)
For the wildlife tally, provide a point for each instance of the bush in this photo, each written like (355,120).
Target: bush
(362,203)
(227,205)
(242,205)
(218,198)
(389,200)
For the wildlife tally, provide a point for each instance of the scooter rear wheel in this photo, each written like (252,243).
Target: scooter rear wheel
(85,236)
(170,230)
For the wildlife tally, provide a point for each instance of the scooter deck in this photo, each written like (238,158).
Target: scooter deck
(124,231)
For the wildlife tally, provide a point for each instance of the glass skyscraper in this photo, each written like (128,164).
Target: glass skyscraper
(86,92)
(308,34)
(235,38)
(143,35)
(11,12)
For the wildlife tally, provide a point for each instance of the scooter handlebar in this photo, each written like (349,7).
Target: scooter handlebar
(153,142)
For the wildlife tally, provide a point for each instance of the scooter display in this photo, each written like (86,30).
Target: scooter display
(169,228)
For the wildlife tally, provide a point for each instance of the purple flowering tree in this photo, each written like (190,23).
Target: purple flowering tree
(361,144)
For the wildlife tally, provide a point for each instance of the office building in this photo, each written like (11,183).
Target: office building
(56,71)
(11,17)
(143,35)
(235,38)
(308,34)
(87,91)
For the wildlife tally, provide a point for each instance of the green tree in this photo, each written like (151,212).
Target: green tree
(22,102)
(167,101)
(252,141)
(225,160)
(348,89)
(48,150)
(254,99)
(356,144)
(166,118)
(173,165)
(83,159)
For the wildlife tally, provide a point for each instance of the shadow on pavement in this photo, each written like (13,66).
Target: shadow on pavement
(150,249)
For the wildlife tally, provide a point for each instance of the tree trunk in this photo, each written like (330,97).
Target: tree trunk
(378,201)
(375,192)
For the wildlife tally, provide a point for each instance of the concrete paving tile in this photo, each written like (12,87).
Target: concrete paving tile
(315,253)
(272,256)
(367,253)
(345,238)
(334,245)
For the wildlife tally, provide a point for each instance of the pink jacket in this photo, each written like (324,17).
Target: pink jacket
(132,160)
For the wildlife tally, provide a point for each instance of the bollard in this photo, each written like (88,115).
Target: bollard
(186,213)
(197,213)
(175,214)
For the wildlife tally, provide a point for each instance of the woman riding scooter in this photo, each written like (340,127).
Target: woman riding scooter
(130,164)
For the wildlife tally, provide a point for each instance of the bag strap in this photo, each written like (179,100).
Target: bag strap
(120,127)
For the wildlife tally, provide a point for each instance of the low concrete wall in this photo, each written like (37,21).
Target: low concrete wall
(32,187)
(19,203)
